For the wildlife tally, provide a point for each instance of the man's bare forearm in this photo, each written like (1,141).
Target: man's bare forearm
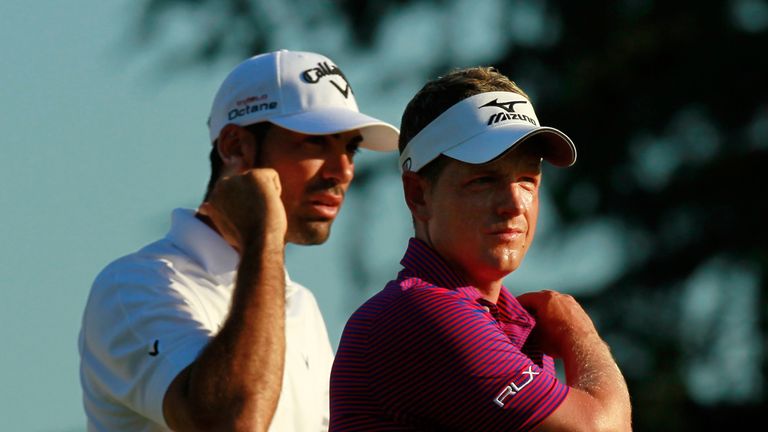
(590,367)
(235,383)
(598,399)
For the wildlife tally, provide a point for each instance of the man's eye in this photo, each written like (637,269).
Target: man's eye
(482,180)
(317,140)
(529,183)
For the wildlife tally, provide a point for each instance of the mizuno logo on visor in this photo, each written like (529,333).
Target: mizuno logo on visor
(506,106)
(510,113)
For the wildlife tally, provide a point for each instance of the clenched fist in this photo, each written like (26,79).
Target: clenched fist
(560,321)
(246,207)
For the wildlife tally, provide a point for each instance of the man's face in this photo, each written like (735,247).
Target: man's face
(315,172)
(482,218)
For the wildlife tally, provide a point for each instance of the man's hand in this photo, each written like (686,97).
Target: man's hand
(560,321)
(247,207)
(598,399)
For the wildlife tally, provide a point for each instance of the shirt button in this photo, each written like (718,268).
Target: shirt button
(487,309)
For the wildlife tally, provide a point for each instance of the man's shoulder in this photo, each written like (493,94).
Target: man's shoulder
(405,297)
(162,259)
(419,293)
(155,260)
(400,318)
(150,270)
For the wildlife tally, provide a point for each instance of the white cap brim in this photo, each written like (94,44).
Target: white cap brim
(377,135)
(301,91)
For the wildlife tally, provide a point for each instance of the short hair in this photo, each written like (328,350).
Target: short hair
(259,130)
(442,93)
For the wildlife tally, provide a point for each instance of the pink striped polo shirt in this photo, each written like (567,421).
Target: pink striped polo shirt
(427,353)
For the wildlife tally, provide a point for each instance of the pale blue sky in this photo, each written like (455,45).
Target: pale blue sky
(96,148)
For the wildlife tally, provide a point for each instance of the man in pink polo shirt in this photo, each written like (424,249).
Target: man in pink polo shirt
(445,346)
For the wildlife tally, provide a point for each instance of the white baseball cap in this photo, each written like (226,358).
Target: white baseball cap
(301,91)
(480,128)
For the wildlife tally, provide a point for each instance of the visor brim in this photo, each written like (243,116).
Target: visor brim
(556,147)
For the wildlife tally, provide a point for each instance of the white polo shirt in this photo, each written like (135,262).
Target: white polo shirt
(150,314)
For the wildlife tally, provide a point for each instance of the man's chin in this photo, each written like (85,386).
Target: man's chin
(310,232)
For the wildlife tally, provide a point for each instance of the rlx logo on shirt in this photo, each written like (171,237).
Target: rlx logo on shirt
(513,388)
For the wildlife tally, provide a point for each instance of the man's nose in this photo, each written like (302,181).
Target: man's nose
(339,167)
(513,199)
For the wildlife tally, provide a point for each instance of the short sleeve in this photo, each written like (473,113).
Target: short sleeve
(438,360)
(139,332)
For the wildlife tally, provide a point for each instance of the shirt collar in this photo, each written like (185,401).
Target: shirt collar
(421,261)
(204,245)
(511,310)
(290,286)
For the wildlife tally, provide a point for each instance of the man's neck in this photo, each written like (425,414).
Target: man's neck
(206,220)
(490,291)
(209,222)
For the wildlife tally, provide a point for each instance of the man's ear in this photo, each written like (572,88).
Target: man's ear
(416,190)
(237,148)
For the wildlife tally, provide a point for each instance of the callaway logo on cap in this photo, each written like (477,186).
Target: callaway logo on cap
(301,91)
(482,127)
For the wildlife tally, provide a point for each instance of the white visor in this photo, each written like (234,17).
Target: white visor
(482,127)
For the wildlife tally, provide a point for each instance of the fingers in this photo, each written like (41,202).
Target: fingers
(264,179)
(533,301)
(559,319)
(269,175)
(247,205)
(550,303)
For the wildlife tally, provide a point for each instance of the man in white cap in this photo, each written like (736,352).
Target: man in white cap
(445,346)
(203,329)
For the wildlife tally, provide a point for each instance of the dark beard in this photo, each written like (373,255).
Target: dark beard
(309,232)
(313,231)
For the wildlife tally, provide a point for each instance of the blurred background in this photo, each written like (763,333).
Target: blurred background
(659,229)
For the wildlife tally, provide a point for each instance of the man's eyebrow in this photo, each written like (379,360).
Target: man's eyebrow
(535,163)
(323,139)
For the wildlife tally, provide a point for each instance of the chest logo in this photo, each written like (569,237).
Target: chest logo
(154,351)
